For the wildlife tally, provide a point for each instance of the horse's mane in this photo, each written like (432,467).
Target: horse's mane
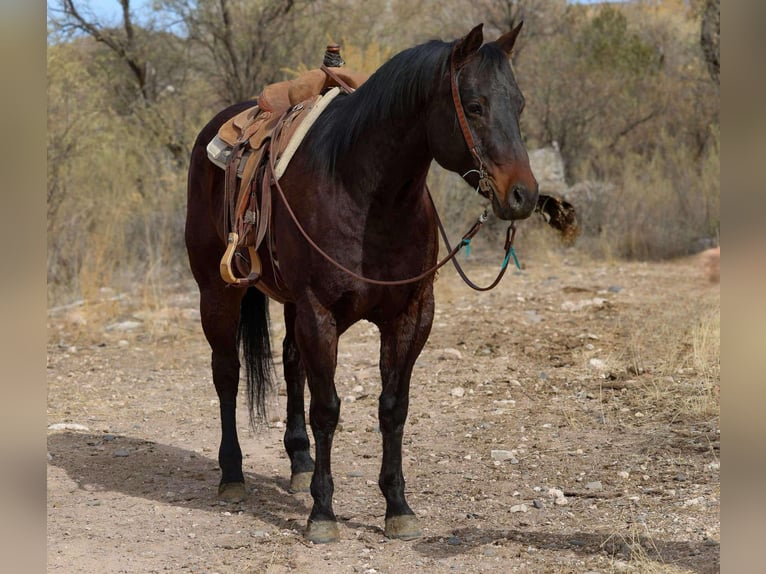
(395,90)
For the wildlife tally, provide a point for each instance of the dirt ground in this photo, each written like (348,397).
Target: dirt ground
(565,422)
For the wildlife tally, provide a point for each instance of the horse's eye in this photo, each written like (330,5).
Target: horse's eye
(474,108)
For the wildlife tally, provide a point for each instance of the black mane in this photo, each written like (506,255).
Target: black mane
(397,89)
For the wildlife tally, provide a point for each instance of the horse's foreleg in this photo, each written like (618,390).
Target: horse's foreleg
(317,337)
(219,310)
(402,340)
(296,439)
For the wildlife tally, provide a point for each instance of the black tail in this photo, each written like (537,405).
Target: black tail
(253,340)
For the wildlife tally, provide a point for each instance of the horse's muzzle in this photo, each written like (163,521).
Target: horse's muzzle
(519,201)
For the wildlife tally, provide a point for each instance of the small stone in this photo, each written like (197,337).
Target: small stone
(501,455)
(260,534)
(563,501)
(358,389)
(449,353)
(595,485)
(355,474)
(68,426)
(122,452)
(490,552)
(614,289)
(123,326)
(519,508)
(597,364)
(454,541)
(538,504)
(680,477)
(457,392)
(122,343)
(623,474)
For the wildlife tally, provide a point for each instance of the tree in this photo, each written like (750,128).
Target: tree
(710,38)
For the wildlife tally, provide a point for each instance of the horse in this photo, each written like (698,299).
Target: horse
(356,186)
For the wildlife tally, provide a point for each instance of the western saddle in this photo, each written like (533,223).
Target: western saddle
(276,125)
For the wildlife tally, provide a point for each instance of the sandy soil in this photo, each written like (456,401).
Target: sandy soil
(599,380)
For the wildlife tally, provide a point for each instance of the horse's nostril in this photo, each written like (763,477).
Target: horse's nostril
(518,196)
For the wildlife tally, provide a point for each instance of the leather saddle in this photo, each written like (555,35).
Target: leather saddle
(276,125)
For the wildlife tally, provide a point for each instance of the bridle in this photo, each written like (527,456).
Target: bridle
(485,184)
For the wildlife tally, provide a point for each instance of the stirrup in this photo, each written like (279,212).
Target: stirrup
(227,274)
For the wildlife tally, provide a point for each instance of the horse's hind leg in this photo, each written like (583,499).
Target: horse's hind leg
(401,342)
(219,310)
(296,439)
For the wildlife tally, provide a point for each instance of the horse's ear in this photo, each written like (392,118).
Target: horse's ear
(506,41)
(468,44)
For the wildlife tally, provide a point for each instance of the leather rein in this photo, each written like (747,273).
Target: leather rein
(484,189)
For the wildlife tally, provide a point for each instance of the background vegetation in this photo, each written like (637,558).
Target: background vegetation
(627,92)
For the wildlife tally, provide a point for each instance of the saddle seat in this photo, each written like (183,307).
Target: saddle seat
(276,124)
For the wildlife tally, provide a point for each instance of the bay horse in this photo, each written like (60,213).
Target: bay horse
(357,187)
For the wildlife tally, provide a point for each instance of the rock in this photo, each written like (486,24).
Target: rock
(558,496)
(68,426)
(449,353)
(122,452)
(623,474)
(680,477)
(519,508)
(597,364)
(454,541)
(614,289)
(355,474)
(582,304)
(594,486)
(358,389)
(501,455)
(538,504)
(457,392)
(123,326)
(532,316)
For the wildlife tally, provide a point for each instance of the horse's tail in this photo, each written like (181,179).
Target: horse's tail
(253,339)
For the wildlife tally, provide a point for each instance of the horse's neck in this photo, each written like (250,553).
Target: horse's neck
(388,162)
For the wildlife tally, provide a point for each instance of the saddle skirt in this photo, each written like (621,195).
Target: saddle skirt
(284,113)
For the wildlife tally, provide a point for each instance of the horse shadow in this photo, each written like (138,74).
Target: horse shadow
(168,474)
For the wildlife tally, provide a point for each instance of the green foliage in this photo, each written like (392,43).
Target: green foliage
(606,43)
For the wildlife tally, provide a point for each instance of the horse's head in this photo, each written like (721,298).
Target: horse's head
(473,126)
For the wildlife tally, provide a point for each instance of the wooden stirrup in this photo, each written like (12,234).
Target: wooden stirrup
(227,273)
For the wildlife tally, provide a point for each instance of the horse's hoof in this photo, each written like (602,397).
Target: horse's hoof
(232,492)
(301,482)
(404,527)
(322,531)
